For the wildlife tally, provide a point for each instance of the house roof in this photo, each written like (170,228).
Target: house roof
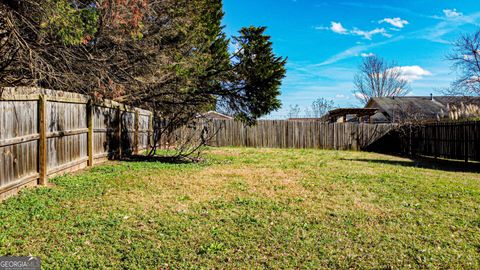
(304,119)
(333,115)
(420,106)
(357,111)
(216,115)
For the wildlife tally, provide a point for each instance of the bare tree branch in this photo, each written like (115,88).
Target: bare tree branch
(378,78)
(465,57)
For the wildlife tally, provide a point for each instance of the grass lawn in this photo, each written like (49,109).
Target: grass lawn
(250,208)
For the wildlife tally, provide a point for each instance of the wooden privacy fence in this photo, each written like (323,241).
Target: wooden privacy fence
(296,134)
(456,140)
(45,132)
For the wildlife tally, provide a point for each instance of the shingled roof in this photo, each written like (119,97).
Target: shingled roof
(424,107)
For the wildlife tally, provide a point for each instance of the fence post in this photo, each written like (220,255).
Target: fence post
(465,139)
(410,147)
(150,133)
(435,127)
(118,134)
(136,136)
(90,132)
(42,161)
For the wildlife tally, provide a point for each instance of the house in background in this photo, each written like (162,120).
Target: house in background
(398,109)
(343,115)
(216,115)
(300,119)
(423,108)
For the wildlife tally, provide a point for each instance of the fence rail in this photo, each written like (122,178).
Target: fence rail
(45,132)
(456,140)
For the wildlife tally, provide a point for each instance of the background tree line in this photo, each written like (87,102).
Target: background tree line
(319,107)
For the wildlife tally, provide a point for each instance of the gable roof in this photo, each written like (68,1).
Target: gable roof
(425,107)
(216,115)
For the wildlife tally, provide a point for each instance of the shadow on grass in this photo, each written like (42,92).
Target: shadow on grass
(160,159)
(426,163)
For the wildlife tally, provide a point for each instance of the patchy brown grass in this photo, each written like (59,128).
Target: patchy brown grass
(252,208)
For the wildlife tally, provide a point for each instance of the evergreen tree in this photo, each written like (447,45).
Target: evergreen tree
(257,76)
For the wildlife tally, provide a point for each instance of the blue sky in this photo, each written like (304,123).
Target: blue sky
(326,40)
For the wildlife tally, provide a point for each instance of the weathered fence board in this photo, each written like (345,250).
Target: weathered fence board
(66,134)
(45,132)
(290,134)
(143,130)
(453,140)
(14,164)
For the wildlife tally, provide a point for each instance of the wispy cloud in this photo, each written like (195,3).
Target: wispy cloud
(401,10)
(338,28)
(435,33)
(304,73)
(396,22)
(451,13)
(357,50)
(369,34)
(308,81)
(367,54)
(451,21)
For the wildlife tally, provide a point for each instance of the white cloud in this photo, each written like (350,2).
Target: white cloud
(413,73)
(369,34)
(452,13)
(397,22)
(367,54)
(338,28)
(360,96)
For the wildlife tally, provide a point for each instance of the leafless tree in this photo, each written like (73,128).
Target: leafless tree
(378,78)
(294,111)
(466,60)
(321,106)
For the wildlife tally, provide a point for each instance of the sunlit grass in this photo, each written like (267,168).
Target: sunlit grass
(251,208)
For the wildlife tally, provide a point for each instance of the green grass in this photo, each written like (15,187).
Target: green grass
(249,208)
